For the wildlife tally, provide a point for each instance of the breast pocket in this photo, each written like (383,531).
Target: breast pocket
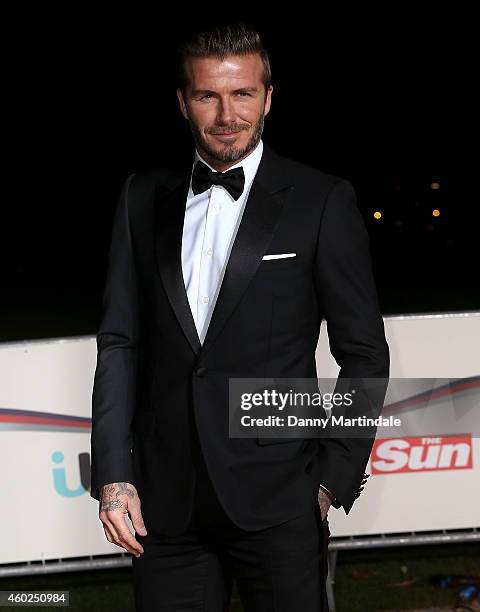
(277,263)
(277,273)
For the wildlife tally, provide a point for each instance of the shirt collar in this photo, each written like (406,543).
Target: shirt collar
(250,163)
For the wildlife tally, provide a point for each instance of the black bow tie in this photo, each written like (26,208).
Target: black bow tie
(203,178)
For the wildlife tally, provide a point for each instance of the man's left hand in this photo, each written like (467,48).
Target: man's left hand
(324,501)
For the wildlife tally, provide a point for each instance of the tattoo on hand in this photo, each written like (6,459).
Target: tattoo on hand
(110,496)
(324,501)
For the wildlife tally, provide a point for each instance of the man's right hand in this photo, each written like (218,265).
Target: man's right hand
(116,500)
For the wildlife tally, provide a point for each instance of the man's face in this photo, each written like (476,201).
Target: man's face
(225,103)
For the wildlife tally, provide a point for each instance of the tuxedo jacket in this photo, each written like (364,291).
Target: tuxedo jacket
(159,394)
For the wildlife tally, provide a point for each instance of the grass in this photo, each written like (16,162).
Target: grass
(399,578)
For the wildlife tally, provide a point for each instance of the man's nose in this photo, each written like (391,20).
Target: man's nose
(226,112)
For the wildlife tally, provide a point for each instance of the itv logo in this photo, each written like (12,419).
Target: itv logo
(60,476)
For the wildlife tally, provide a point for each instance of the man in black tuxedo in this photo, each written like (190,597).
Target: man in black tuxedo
(226,270)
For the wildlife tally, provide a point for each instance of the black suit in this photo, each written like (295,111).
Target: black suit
(159,391)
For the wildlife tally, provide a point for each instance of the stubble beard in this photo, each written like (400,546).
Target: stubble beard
(230,152)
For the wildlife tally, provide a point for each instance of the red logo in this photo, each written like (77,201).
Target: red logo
(419,454)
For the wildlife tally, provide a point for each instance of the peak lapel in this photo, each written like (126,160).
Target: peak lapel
(169,215)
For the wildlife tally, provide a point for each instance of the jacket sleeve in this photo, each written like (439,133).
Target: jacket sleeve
(117,339)
(348,298)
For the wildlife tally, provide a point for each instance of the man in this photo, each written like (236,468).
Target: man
(225,270)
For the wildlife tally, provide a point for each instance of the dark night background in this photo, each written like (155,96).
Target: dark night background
(384,100)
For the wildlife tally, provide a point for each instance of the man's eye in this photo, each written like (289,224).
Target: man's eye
(243,94)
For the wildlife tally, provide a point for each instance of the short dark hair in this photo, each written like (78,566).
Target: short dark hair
(220,41)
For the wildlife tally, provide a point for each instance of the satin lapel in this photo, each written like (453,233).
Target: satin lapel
(168,229)
(255,232)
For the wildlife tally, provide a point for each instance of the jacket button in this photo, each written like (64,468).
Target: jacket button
(201,371)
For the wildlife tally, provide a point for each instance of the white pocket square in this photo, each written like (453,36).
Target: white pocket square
(279,256)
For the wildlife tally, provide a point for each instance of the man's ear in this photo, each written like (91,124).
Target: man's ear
(181,101)
(268,99)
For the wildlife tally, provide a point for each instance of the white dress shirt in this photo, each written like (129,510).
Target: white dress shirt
(210,226)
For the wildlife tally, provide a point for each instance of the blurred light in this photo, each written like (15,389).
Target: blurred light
(377,215)
(435,186)
(435,212)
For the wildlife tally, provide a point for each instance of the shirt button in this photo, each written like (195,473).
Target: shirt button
(201,371)
(210,252)
(206,299)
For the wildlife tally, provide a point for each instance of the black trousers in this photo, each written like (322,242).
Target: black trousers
(278,569)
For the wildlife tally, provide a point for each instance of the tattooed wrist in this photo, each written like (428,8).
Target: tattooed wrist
(112,495)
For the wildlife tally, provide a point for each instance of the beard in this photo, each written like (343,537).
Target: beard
(230,152)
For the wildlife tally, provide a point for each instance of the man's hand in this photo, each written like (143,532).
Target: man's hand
(116,500)
(324,501)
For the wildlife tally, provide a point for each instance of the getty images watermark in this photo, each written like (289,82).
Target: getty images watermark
(301,408)
(291,400)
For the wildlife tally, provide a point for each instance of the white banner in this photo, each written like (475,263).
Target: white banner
(45,409)
(421,483)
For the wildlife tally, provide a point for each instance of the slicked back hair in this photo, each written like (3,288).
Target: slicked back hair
(221,41)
